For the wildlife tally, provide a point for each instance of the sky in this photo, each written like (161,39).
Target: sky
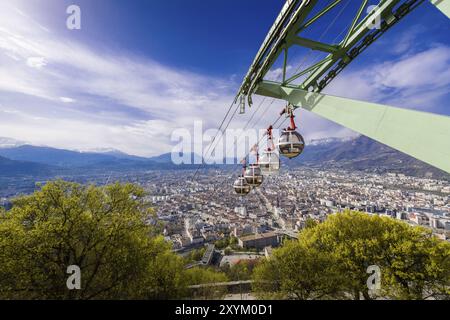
(138,70)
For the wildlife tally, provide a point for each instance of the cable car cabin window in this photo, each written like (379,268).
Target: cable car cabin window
(253,175)
(241,186)
(291,144)
(269,163)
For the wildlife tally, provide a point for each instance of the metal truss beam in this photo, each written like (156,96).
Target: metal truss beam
(295,19)
(293,13)
(425,136)
(315,45)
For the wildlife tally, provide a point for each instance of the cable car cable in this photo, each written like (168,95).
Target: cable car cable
(222,132)
(273,100)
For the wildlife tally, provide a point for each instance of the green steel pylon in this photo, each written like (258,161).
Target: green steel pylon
(443,5)
(424,136)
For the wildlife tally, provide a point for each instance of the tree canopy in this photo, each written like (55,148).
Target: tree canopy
(331,260)
(206,277)
(110,233)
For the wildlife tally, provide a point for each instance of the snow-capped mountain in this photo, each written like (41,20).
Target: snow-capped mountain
(99,150)
(324,141)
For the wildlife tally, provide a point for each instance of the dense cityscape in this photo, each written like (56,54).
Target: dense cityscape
(207,209)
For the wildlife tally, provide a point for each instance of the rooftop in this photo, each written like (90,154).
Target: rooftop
(258,236)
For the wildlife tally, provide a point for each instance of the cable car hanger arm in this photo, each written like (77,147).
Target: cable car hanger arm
(425,136)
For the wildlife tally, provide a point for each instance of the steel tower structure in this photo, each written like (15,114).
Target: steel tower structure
(425,136)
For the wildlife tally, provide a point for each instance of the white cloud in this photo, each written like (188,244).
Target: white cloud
(417,81)
(36,62)
(65,94)
(428,68)
(67,100)
(96,98)
(408,41)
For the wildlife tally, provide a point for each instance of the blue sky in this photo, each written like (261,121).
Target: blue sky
(217,38)
(137,70)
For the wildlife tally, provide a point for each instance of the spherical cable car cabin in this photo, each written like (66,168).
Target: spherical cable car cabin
(291,143)
(253,173)
(241,185)
(269,161)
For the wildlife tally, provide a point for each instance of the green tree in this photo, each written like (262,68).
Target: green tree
(297,271)
(110,233)
(226,242)
(417,265)
(330,260)
(205,278)
(196,254)
(310,223)
(242,270)
(221,244)
(233,241)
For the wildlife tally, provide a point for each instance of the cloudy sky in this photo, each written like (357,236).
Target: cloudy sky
(138,70)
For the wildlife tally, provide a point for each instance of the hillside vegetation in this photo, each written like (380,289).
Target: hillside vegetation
(331,260)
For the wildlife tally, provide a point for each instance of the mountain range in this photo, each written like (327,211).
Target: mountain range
(358,153)
(12,168)
(365,154)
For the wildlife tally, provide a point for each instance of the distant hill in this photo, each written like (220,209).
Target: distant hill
(362,153)
(114,153)
(14,168)
(167,158)
(54,157)
(358,153)
(163,158)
